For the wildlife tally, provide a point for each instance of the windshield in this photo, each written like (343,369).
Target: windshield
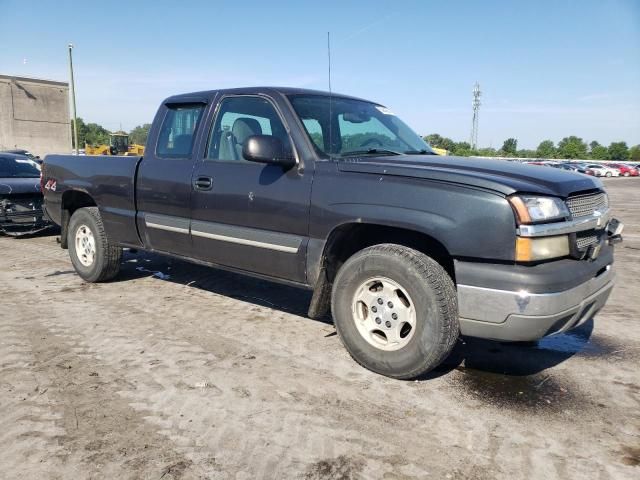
(341,127)
(15,168)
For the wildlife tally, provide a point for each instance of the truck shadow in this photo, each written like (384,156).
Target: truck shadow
(522,358)
(470,355)
(248,289)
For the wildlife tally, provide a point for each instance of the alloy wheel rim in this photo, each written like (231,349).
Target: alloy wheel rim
(85,246)
(384,313)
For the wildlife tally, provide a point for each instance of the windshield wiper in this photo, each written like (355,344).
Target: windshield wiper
(420,152)
(370,151)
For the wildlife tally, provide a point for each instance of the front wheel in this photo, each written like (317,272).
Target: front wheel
(608,174)
(93,257)
(395,310)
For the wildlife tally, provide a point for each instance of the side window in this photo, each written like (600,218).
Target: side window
(239,118)
(314,129)
(178,130)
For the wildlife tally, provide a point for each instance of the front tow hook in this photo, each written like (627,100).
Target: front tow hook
(614,231)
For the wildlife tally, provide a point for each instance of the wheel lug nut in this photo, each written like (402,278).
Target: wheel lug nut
(374,309)
(394,316)
(378,320)
(380,301)
(388,324)
(390,305)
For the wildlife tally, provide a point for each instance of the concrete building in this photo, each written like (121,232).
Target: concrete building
(34,115)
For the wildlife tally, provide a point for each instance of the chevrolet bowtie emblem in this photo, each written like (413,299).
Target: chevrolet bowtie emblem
(598,215)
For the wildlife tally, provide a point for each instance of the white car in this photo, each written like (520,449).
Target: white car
(602,170)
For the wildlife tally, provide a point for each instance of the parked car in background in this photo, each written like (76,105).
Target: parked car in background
(24,153)
(625,169)
(20,196)
(573,167)
(601,170)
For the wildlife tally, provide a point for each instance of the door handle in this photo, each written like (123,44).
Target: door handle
(203,183)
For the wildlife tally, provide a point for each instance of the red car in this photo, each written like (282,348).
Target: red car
(625,170)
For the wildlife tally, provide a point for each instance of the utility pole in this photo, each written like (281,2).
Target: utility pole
(73,102)
(476,108)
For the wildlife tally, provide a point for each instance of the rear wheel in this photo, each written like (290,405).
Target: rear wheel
(395,310)
(608,174)
(92,255)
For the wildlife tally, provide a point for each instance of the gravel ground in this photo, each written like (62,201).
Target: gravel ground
(195,373)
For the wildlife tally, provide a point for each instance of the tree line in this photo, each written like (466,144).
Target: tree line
(94,134)
(569,147)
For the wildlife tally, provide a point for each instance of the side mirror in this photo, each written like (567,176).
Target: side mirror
(267,149)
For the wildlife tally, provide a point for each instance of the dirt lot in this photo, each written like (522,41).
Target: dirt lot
(206,374)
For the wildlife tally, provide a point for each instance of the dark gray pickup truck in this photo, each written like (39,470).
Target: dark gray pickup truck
(407,249)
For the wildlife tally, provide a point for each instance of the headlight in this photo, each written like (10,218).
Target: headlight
(530,209)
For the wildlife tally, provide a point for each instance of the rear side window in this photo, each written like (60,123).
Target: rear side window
(178,131)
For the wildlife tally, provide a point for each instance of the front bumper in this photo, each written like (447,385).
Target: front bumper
(522,316)
(525,303)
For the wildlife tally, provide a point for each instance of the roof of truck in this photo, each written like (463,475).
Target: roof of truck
(208,94)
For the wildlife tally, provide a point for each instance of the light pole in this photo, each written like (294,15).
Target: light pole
(73,101)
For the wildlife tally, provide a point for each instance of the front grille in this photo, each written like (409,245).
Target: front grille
(586,205)
(586,239)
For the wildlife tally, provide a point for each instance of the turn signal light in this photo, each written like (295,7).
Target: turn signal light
(544,248)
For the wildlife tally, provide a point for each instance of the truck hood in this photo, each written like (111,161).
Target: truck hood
(498,175)
(12,186)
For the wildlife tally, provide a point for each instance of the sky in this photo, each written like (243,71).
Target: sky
(547,69)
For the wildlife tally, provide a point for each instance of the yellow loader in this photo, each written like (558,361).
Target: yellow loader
(118,145)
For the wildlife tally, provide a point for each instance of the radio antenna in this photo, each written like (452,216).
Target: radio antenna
(330,95)
(329,57)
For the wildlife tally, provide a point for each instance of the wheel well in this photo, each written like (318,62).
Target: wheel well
(72,200)
(348,239)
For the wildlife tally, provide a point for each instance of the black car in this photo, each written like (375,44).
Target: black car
(20,196)
(24,153)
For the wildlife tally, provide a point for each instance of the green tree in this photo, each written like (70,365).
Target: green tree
(90,133)
(546,149)
(139,134)
(462,149)
(435,140)
(634,153)
(599,152)
(619,151)
(487,152)
(95,135)
(510,147)
(572,147)
(525,153)
(81,129)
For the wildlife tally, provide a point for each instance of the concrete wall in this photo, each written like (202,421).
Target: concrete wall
(34,115)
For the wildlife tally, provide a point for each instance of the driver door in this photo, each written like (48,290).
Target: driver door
(249,215)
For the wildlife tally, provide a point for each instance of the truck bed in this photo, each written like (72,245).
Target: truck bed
(108,180)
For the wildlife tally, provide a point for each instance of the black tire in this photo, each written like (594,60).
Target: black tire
(107,258)
(608,174)
(435,302)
